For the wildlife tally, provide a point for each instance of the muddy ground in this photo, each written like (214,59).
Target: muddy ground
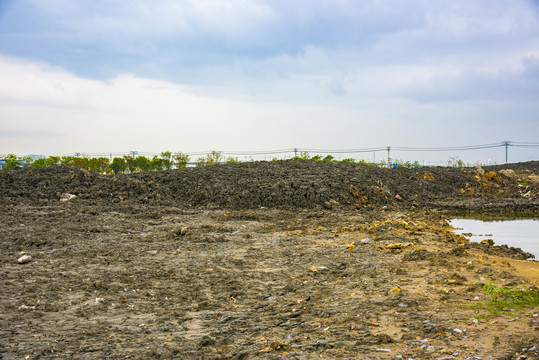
(285,260)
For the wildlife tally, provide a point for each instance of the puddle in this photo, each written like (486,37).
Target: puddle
(521,233)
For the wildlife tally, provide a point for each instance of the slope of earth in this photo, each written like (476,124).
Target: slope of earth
(257,261)
(283,185)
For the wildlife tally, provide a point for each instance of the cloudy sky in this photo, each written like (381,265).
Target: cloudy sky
(252,75)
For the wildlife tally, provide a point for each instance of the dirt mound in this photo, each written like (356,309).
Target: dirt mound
(528,165)
(282,184)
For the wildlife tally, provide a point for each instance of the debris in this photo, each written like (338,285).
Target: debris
(479,170)
(25,307)
(278,346)
(331,204)
(67,197)
(313,269)
(396,289)
(397,246)
(24,259)
(508,173)
(534,179)
(398,197)
(383,350)
(351,246)
(374,324)
(457,331)
(179,230)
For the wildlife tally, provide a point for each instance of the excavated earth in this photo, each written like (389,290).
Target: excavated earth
(281,260)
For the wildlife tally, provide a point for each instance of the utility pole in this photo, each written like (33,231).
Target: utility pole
(295,152)
(506,143)
(388,157)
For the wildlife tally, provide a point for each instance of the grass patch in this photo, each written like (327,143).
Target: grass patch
(504,300)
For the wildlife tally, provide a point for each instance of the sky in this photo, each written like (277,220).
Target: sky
(106,76)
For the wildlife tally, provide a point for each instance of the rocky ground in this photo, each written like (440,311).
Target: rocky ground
(285,260)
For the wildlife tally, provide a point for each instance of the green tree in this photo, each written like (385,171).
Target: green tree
(201,161)
(129,163)
(167,159)
(118,165)
(99,164)
(157,163)
(328,158)
(40,163)
(27,160)
(304,155)
(215,157)
(142,163)
(11,161)
(181,160)
(68,160)
(53,161)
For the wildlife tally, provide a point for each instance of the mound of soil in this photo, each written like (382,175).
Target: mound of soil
(282,185)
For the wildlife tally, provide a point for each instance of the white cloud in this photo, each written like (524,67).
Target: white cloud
(310,73)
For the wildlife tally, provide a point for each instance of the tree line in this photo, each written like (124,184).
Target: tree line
(165,161)
(168,160)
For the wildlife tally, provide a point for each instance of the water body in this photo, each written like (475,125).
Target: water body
(521,233)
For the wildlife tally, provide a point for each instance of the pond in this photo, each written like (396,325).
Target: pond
(521,233)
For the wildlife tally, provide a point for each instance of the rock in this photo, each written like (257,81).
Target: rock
(24,259)
(180,230)
(479,170)
(397,246)
(457,331)
(67,197)
(331,204)
(534,179)
(510,173)
(207,341)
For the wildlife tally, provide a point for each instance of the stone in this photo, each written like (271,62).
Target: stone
(67,197)
(24,259)
(510,173)
(480,170)
(534,179)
